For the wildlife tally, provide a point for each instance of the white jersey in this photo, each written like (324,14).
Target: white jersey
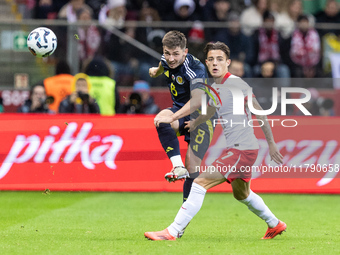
(238,131)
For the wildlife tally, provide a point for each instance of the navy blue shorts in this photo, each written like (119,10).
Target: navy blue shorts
(199,139)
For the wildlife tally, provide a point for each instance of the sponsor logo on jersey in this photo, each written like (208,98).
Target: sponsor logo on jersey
(179,80)
(173,77)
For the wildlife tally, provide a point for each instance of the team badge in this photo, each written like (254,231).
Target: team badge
(173,77)
(179,80)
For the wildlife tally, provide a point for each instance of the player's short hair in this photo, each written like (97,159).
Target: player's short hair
(217,46)
(174,39)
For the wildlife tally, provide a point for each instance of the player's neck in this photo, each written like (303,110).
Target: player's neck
(218,80)
(222,78)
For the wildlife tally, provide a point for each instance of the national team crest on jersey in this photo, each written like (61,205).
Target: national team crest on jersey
(179,80)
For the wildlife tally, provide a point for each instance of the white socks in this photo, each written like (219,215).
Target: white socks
(194,203)
(188,210)
(176,161)
(257,206)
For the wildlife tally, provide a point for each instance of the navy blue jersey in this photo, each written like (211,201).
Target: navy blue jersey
(178,79)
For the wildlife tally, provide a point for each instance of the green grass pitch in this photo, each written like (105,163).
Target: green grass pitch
(114,223)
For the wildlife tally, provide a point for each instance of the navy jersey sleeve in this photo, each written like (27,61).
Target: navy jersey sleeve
(196,72)
(194,68)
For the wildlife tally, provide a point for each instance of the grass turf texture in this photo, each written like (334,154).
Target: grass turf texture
(114,223)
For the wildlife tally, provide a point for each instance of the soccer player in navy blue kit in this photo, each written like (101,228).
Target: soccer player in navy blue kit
(241,150)
(180,68)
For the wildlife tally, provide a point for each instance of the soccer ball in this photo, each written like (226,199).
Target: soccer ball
(42,42)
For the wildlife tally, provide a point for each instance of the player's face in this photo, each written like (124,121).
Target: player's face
(174,57)
(217,63)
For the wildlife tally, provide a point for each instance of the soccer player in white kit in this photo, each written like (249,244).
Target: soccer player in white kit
(241,151)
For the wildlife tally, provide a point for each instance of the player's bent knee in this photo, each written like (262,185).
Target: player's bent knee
(204,182)
(163,113)
(208,183)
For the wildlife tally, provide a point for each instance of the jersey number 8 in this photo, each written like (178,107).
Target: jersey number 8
(200,136)
(173,89)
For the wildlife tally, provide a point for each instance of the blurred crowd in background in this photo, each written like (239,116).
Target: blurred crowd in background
(267,39)
(259,31)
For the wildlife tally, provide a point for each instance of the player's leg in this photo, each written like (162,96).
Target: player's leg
(195,199)
(243,193)
(240,182)
(189,208)
(192,163)
(199,141)
(168,138)
(178,171)
(212,175)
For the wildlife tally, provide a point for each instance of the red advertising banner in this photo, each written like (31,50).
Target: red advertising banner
(122,153)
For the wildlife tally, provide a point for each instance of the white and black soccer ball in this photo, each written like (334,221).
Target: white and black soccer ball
(42,42)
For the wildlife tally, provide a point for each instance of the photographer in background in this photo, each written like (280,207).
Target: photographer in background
(37,102)
(133,104)
(140,100)
(79,101)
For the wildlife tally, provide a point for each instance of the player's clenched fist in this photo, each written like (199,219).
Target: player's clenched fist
(153,72)
(156,71)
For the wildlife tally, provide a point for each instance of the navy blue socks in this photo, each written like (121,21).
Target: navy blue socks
(168,139)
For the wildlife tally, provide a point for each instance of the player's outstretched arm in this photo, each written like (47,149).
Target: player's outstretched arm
(273,150)
(192,105)
(156,71)
(193,124)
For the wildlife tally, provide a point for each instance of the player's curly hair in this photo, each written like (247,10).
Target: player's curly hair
(174,39)
(217,46)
